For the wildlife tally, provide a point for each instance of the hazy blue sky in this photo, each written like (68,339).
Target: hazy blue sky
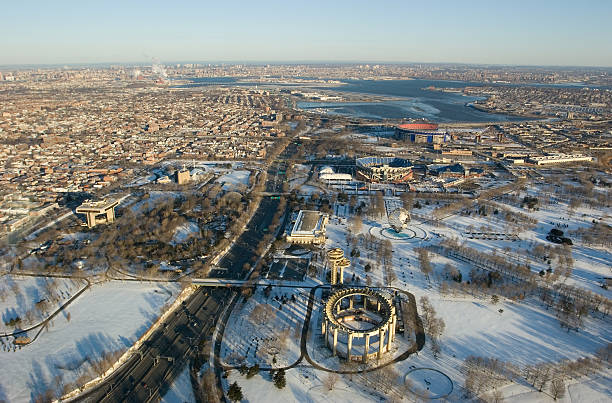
(540,32)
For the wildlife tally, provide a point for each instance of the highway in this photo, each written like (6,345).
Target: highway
(148,373)
(243,250)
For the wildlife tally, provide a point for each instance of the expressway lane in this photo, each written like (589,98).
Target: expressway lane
(243,250)
(147,374)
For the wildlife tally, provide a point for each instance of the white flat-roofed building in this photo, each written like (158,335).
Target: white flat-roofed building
(559,159)
(335,177)
(98,212)
(309,227)
(329,176)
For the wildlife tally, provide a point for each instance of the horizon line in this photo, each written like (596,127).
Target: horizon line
(298,62)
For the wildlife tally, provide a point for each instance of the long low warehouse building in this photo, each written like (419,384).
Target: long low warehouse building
(559,159)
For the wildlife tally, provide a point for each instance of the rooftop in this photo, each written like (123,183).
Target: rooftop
(100,205)
(308,222)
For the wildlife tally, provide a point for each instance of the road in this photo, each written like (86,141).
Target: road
(147,375)
(243,250)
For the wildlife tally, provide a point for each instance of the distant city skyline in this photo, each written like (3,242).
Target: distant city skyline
(538,33)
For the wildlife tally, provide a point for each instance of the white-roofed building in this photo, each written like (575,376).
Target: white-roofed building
(329,176)
(309,227)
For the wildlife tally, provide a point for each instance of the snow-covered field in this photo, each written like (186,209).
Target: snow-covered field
(304,385)
(107,318)
(180,391)
(596,390)
(591,263)
(310,189)
(33,298)
(155,197)
(249,340)
(233,179)
(143,180)
(184,232)
(525,333)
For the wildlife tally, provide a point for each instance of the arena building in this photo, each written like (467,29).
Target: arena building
(384,169)
(421,133)
(356,320)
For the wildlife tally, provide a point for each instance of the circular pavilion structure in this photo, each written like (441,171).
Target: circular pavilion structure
(359,324)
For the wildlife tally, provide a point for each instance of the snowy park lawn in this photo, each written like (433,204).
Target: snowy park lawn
(524,334)
(233,179)
(19,296)
(143,180)
(591,264)
(180,391)
(184,232)
(404,256)
(304,385)
(584,390)
(107,318)
(256,342)
(155,197)
(310,189)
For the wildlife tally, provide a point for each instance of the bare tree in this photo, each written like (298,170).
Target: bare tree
(330,380)
(495,396)
(407,388)
(262,313)
(557,388)
(356,224)
(424,262)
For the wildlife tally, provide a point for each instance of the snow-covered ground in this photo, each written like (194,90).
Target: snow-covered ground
(33,298)
(523,333)
(251,341)
(233,179)
(184,232)
(310,189)
(107,318)
(180,391)
(206,165)
(591,263)
(304,385)
(596,390)
(155,197)
(143,180)
(299,175)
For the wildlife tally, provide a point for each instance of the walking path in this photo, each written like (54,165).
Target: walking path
(42,325)
(218,340)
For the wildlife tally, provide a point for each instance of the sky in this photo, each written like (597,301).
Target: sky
(514,32)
